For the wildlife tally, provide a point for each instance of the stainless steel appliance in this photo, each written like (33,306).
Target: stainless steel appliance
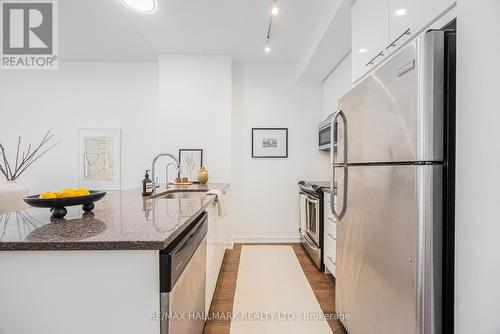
(325,134)
(311,221)
(389,170)
(182,281)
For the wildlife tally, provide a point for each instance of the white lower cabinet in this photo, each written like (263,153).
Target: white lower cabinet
(216,247)
(327,211)
(330,249)
(329,237)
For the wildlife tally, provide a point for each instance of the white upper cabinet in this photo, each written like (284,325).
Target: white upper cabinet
(379,27)
(370,31)
(408,17)
(403,19)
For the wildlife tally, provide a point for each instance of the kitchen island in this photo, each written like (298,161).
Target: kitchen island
(94,272)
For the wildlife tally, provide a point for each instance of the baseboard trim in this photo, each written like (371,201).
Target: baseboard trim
(266,239)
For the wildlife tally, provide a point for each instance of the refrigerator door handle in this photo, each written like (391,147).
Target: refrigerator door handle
(333,186)
(340,215)
(334,135)
(344,197)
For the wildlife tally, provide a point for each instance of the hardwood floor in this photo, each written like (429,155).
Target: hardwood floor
(323,287)
(222,303)
(223,300)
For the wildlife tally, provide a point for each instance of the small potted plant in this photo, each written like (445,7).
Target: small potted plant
(12,193)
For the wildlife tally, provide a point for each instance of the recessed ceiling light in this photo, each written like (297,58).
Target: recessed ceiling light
(141,6)
(362,50)
(275,10)
(400,12)
(267,49)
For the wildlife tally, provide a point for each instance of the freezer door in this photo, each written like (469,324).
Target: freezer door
(396,113)
(387,279)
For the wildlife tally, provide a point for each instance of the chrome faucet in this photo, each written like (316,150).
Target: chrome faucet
(166,171)
(153,168)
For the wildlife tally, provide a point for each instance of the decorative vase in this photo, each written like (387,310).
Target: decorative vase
(11,196)
(203,175)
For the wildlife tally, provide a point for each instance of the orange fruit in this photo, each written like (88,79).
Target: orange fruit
(47,195)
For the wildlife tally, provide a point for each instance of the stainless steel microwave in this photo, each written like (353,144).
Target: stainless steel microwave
(325,134)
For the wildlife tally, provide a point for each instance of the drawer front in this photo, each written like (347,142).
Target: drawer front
(330,266)
(326,195)
(330,230)
(330,246)
(332,222)
(330,236)
(330,249)
(327,211)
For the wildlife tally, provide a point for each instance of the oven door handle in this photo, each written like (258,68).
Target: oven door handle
(303,212)
(311,243)
(312,200)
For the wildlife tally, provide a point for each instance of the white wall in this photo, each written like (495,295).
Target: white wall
(265,191)
(336,86)
(195,109)
(478,168)
(184,101)
(79,95)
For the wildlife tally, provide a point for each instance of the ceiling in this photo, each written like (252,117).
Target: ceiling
(104,30)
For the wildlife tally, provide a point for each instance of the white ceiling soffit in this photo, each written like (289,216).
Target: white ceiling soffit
(329,43)
(105,30)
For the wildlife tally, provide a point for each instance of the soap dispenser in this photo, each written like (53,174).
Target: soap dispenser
(147,185)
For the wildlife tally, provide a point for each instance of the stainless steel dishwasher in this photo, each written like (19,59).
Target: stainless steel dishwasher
(182,281)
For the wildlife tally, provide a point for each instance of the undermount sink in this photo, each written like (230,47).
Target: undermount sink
(181,194)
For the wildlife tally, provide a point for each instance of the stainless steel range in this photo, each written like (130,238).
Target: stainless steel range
(311,220)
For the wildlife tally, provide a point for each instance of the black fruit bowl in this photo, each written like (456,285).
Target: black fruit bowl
(58,205)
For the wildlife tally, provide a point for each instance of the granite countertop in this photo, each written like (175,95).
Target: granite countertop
(121,220)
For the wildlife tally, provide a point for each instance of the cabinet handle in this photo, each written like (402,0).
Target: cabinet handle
(381,53)
(332,236)
(331,259)
(332,220)
(393,43)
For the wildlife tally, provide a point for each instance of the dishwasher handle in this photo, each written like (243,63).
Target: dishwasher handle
(187,241)
(176,257)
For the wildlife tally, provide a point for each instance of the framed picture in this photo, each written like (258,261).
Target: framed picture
(99,159)
(191,161)
(270,143)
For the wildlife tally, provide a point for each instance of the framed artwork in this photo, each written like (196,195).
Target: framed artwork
(270,143)
(191,161)
(99,159)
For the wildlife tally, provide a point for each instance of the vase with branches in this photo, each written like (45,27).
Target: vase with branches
(11,194)
(24,158)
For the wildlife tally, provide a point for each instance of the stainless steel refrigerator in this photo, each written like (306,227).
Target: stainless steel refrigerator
(388,175)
